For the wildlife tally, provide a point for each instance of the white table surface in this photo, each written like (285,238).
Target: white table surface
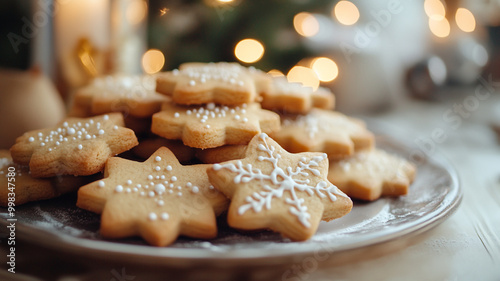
(464,247)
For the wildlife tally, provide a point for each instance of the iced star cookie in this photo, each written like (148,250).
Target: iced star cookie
(77,146)
(212,125)
(288,97)
(24,188)
(273,189)
(324,131)
(133,95)
(368,175)
(158,199)
(197,83)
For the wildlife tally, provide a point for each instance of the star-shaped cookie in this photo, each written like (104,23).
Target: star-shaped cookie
(213,125)
(197,83)
(133,95)
(273,189)
(158,199)
(324,131)
(24,188)
(287,97)
(368,175)
(76,146)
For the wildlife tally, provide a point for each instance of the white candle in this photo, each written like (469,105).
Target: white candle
(77,19)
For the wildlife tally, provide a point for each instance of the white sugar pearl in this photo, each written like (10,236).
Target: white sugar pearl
(31,139)
(152,216)
(169,168)
(80,147)
(101,184)
(71,131)
(173,179)
(159,188)
(157,158)
(164,216)
(101,132)
(195,189)
(119,188)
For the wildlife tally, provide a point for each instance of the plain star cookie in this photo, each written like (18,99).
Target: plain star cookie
(324,131)
(273,189)
(158,199)
(133,95)
(24,188)
(199,83)
(77,146)
(211,125)
(368,175)
(284,96)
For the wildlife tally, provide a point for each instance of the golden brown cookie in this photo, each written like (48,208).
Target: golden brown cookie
(221,153)
(17,185)
(212,125)
(324,131)
(287,97)
(197,83)
(368,175)
(158,199)
(273,189)
(77,146)
(133,95)
(148,146)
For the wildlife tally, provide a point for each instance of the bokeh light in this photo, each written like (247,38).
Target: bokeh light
(434,9)
(275,73)
(153,61)
(305,24)
(346,12)
(465,20)
(249,50)
(303,75)
(440,28)
(326,69)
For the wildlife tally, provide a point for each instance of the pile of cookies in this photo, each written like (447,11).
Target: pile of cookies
(268,153)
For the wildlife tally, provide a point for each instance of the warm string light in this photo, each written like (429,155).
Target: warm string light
(346,12)
(306,24)
(435,9)
(304,75)
(325,68)
(465,20)
(249,50)
(153,61)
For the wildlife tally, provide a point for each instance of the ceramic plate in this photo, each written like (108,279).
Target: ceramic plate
(434,195)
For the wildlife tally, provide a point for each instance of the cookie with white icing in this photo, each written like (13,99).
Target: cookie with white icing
(287,97)
(368,175)
(200,83)
(273,189)
(133,95)
(158,199)
(211,125)
(324,131)
(24,188)
(76,146)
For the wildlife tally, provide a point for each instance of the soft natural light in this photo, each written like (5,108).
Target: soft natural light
(153,61)
(326,69)
(465,20)
(434,9)
(249,50)
(346,12)
(305,24)
(303,75)
(440,28)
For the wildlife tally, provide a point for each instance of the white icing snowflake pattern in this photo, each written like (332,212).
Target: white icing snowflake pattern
(281,181)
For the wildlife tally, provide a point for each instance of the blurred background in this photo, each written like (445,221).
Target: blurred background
(370,53)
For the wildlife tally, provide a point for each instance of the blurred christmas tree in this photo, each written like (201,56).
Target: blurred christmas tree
(209,30)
